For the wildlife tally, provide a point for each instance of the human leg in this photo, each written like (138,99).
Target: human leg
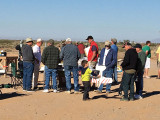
(86,85)
(125,86)
(47,77)
(131,85)
(75,76)
(24,75)
(54,75)
(29,70)
(35,75)
(115,74)
(67,72)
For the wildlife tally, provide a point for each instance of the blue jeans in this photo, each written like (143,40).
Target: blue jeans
(50,73)
(28,68)
(139,83)
(68,70)
(109,74)
(115,73)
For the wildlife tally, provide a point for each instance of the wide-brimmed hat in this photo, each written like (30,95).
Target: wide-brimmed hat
(107,43)
(29,40)
(89,37)
(39,40)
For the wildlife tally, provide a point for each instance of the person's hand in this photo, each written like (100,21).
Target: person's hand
(79,72)
(37,60)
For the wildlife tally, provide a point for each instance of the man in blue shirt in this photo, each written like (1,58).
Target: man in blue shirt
(115,48)
(70,56)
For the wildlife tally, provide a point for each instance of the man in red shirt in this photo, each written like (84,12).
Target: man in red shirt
(93,52)
(81,48)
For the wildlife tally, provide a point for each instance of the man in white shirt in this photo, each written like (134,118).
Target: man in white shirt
(37,54)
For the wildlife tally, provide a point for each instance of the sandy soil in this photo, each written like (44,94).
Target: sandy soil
(18,105)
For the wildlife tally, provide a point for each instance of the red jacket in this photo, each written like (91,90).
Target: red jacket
(81,48)
(90,53)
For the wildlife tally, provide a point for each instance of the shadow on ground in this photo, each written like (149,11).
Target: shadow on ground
(148,94)
(10,95)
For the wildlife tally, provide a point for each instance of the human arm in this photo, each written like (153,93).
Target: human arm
(43,58)
(61,53)
(114,60)
(125,60)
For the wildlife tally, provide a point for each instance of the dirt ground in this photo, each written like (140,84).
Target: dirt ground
(18,105)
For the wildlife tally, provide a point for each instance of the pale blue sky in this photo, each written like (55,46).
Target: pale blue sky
(136,20)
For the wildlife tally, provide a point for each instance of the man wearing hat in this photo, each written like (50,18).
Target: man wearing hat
(28,64)
(37,54)
(115,48)
(50,58)
(129,66)
(70,56)
(93,52)
(140,71)
(107,59)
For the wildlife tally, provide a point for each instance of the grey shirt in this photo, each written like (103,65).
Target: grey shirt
(27,53)
(70,55)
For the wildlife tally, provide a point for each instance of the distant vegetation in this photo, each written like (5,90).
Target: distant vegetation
(9,45)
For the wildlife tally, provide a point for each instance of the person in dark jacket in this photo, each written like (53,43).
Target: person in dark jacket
(140,71)
(20,61)
(70,56)
(28,64)
(50,58)
(129,66)
(108,58)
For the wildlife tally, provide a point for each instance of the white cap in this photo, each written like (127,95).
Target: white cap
(39,40)
(68,40)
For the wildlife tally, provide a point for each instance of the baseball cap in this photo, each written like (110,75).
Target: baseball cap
(89,37)
(68,40)
(126,43)
(51,41)
(39,40)
(138,46)
(29,40)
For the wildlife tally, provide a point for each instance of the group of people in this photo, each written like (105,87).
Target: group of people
(135,60)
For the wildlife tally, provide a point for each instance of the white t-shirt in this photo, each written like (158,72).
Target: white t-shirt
(37,52)
(105,54)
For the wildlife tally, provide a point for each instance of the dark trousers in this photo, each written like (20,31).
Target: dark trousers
(86,85)
(139,83)
(128,84)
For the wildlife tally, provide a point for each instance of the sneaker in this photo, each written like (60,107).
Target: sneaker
(124,99)
(77,92)
(55,91)
(99,92)
(24,90)
(107,92)
(148,77)
(46,90)
(68,92)
(138,97)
